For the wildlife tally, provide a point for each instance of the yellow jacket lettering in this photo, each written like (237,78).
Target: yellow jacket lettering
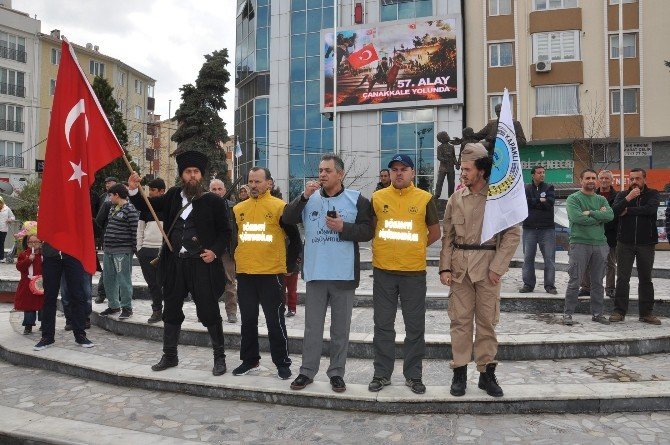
(261,245)
(401,234)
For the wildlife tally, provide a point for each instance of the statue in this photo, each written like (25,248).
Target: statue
(489,133)
(446,154)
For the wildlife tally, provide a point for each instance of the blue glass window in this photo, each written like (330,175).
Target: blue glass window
(297,118)
(297,69)
(297,93)
(328,16)
(389,140)
(261,106)
(389,117)
(313,4)
(312,68)
(313,91)
(296,166)
(298,22)
(297,141)
(297,5)
(313,116)
(313,20)
(298,46)
(328,140)
(262,17)
(407,9)
(313,44)
(313,141)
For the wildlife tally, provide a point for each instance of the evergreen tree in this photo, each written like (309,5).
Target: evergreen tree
(103,90)
(200,126)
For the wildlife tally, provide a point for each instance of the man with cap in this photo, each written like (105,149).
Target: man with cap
(472,270)
(105,204)
(406,222)
(198,229)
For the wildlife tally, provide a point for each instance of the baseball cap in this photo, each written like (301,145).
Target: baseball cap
(403,159)
(111,178)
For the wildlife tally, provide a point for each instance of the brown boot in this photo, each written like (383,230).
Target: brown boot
(156,316)
(651,319)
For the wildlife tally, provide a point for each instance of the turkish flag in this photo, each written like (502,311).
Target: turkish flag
(363,56)
(80,143)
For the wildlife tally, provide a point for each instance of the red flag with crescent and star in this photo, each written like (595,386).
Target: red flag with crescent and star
(80,143)
(363,56)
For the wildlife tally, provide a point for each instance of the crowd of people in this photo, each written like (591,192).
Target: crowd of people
(249,254)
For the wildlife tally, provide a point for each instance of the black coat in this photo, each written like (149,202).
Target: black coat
(638,225)
(210,214)
(540,214)
(612,226)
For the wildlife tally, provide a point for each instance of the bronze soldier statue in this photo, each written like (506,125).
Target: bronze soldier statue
(446,154)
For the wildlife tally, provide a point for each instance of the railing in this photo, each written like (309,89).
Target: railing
(14,54)
(11,161)
(16,126)
(12,90)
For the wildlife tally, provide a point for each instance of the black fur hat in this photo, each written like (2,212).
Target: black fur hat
(192,158)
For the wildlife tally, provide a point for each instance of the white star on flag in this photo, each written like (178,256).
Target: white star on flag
(77,172)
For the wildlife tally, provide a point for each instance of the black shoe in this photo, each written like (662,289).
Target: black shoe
(525,289)
(459,382)
(166,361)
(245,368)
(170,341)
(488,381)
(290,313)
(551,290)
(84,342)
(100,299)
(68,326)
(43,344)
(283,372)
(416,385)
(156,316)
(337,384)
(300,382)
(126,313)
(27,330)
(609,293)
(584,292)
(216,334)
(378,383)
(110,311)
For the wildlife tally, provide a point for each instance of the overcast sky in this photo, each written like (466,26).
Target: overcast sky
(164,39)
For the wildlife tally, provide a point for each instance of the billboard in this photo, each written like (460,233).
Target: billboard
(405,63)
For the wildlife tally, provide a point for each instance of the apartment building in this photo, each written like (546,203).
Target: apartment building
(133,91)
(19,95)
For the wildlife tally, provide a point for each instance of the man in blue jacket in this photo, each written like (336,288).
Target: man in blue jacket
(538,229)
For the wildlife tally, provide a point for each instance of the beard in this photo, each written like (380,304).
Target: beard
(192,189)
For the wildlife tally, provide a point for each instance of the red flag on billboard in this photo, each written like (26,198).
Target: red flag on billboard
(80,143)
(363,56)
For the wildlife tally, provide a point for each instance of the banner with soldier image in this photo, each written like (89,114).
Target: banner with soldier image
(404,63)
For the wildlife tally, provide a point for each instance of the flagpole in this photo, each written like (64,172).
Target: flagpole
(146,200)
(621,113)
(335,120)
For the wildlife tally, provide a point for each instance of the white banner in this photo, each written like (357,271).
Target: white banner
(506,204)
(642,149)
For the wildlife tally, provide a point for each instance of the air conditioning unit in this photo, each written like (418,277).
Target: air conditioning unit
(543,66)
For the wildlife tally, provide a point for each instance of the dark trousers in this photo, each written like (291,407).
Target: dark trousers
(101,285)
(3,235)
(386,289)
(268,291)
(191,275)
(73,271)
(145,255)
(451,176)
(625,255)
(65,296)
(30,317)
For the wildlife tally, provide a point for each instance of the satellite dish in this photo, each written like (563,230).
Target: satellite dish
(6,188)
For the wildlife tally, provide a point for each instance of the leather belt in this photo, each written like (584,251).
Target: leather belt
(475,246)
(186,255)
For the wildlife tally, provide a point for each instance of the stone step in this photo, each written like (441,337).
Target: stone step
(583,385)
(25,427)
(521,336)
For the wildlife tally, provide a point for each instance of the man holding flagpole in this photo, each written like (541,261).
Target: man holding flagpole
(481,234)
(80,143)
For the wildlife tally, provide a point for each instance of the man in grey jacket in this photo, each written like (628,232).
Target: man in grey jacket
(335,220)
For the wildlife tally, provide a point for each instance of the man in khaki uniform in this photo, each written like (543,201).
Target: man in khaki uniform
(473,272)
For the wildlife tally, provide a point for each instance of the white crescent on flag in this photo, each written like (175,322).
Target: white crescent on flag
(76,111)
(365,55)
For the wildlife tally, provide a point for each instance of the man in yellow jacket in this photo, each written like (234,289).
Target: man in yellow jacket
(406,222)
(260,259)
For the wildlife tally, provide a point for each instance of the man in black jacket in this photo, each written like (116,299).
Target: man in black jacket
(637,239)
(606,189)
(538,229)
(199,232)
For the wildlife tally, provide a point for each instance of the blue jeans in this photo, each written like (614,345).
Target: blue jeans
(53,268)
(30,317)
(118,285)
(65,297)
(546,239)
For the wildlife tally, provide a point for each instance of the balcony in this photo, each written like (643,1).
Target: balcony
(13,54)
(13,90)
(11,161)
(16,126)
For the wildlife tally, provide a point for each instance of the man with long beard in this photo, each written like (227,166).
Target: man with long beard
(199,231)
